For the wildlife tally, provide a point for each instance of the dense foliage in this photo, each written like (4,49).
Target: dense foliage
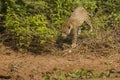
(39,22)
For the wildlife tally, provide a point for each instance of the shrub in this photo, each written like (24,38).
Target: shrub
(41,20)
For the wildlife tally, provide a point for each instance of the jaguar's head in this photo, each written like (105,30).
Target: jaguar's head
(66,30)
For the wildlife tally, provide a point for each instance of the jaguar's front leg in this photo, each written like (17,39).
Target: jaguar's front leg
(74,40)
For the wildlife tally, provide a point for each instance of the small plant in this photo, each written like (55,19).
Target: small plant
(79,74)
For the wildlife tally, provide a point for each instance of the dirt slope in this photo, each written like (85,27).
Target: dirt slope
(26,66)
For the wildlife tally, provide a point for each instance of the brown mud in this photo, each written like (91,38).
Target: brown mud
(28,66)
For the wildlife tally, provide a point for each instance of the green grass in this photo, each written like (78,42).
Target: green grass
(79,74)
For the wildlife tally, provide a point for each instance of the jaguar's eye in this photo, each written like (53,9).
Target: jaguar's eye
(68,27)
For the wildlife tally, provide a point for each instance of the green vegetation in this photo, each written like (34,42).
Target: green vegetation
(38,22)
(76,75)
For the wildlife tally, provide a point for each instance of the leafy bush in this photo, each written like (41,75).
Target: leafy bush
(41,20)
